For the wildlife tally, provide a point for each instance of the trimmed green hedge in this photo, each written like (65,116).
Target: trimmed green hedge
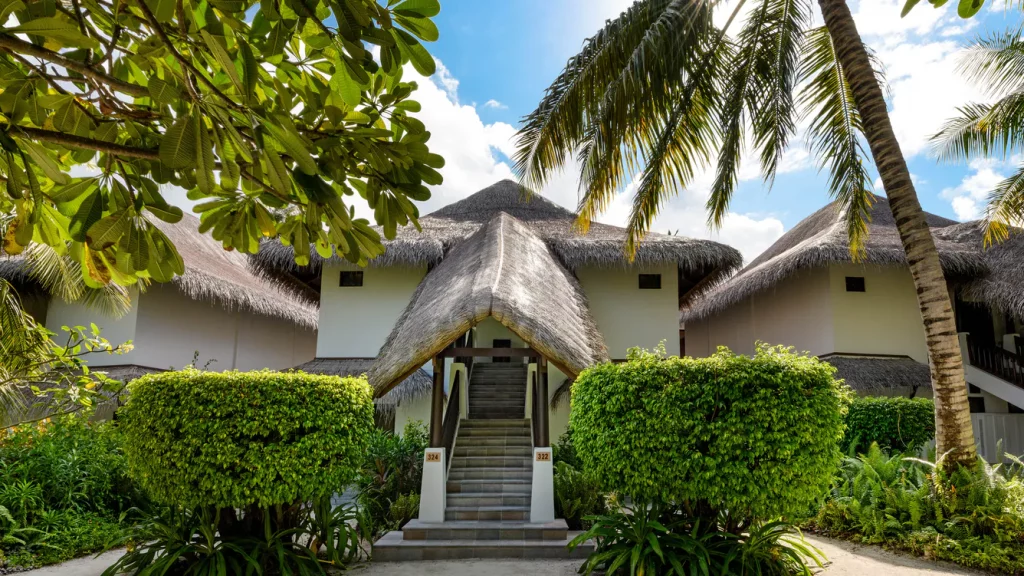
(235,439)
(756,436)
(898,424)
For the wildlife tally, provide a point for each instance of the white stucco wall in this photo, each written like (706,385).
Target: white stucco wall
(797,312)
(628,316)
(884,319)
(488,330)
(412,410)
(356,320)
(116,330)
(167,328)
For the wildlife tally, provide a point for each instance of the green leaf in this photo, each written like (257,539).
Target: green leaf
(968,8)
(162,9)
(163,92)
(107,231)
(56,28)
(342,83)
(70,118)
(223,58)
(204,158)
(73,191)
(48,165)
(908,7)
(282,129)
(423,28)
(421,8)
(178,146)
(411,48)
(89,212)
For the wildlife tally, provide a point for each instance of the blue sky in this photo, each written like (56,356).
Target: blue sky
(497,57)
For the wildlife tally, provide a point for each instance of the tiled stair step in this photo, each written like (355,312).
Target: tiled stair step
(502,486)
(478,499)
(466,462)
(493,513)
(478,441)
(501,432)
(393,548)
(493,451)
(416,530)
(520,400)
(506,423)
(492,474)
(502,413)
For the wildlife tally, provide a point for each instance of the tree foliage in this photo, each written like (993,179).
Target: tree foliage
(269,113)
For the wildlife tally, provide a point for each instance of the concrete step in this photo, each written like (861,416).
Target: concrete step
(502,486)
(463,462)
(496,413)
(491,474)
(492,513)
(480,499)
(416,530)
(522,432)
(507,423)
(480,441)
(392,547)
(520,451)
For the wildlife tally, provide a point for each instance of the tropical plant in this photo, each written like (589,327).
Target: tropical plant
(576,496)
(896,423)
(390,478)
(660,89)
(995,63)
(965,8)
(269,113)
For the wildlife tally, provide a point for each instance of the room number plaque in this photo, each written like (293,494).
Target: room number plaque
(543,456)
(433,456)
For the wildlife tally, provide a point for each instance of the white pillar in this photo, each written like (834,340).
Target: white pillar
(434,488)
(542,499)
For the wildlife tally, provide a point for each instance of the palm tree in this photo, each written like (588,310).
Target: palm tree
(996,62)
(661,90)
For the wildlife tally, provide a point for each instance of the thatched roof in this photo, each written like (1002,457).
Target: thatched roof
(1002,285)
(417,385)
(447,227)
(214,275)
(878,373)
(504,270)
(821,239)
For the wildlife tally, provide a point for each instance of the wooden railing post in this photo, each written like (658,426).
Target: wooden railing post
(437,406)
(541,402)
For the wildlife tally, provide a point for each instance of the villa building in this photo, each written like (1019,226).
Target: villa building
(806,292)
(496,297)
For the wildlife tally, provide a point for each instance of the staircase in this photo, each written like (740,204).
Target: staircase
(487,513)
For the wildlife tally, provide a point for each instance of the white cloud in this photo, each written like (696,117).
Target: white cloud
(492,103)
(969,197)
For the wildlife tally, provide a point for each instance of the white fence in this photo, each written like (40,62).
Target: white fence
(990,429)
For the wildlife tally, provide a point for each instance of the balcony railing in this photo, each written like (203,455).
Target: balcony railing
(996,361)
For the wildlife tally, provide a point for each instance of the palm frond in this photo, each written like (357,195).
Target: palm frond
(22,344)
(983,130)
(61,276)
(835,133)
(996,62)
(1005,207)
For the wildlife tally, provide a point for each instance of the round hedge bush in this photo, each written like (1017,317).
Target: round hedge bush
(898,424)
(756,436)
(236,439)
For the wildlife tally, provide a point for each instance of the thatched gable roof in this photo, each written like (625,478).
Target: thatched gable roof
(1002,285)
(450,225)
(504,270)
(214,275)
(821,239)
(879,373)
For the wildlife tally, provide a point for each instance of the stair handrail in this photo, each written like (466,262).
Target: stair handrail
(1003,364)
(534,409)
(452,415)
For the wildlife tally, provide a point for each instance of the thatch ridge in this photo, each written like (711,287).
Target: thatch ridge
(821,239)
(869,374)
(603,245)
(215,275)
(504,271)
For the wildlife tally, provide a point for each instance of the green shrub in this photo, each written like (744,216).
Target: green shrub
(563,450)
(390,479)
(235,439)
(755,436)
(576,496)
(897,424)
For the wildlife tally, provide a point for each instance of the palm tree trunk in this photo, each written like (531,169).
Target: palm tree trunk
(953,432)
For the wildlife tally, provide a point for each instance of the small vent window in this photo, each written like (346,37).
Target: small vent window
(650,281)
(977,404)
(855,284)
(349,279)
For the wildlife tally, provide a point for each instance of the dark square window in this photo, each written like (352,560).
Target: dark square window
(650,281)
(1014,409)
(977,404)
(972,389)
(351,278)
(855,284)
